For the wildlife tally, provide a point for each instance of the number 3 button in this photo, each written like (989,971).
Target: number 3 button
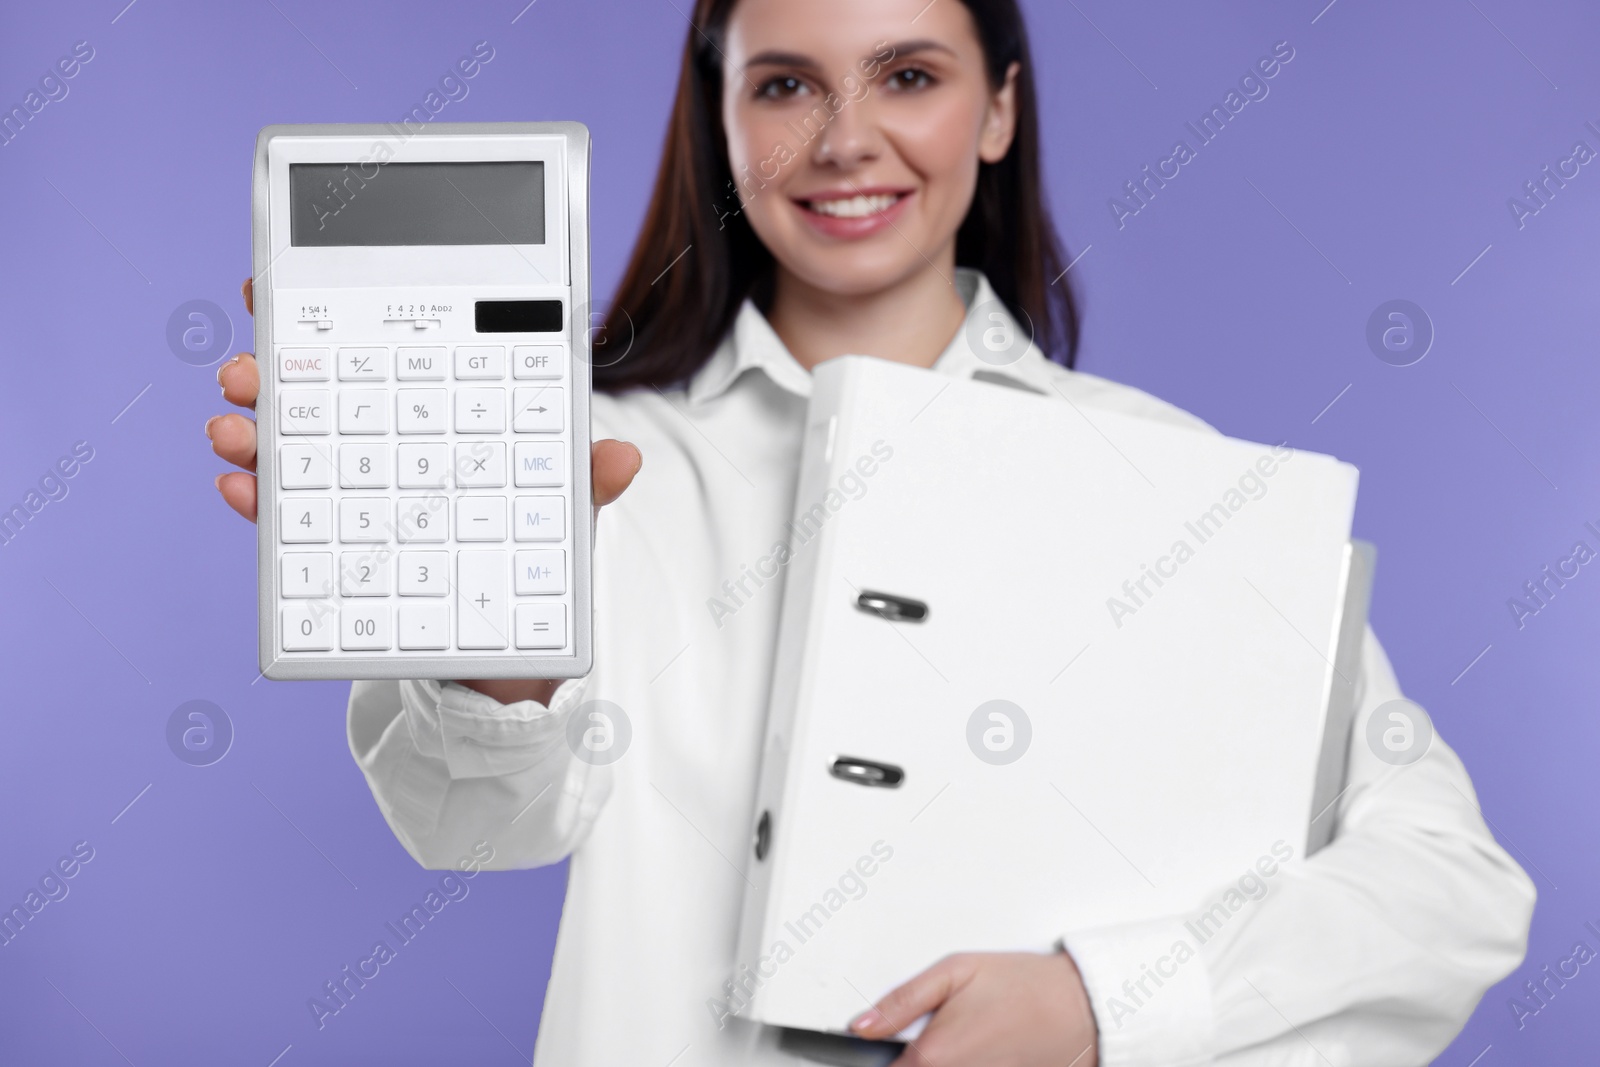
(424,573)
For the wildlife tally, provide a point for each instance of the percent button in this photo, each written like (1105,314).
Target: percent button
(421,411)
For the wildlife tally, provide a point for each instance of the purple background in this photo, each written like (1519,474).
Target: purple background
(1379,167)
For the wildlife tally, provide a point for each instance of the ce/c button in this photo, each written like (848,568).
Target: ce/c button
(304,411)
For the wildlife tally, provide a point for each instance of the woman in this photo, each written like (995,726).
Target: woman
(863,176)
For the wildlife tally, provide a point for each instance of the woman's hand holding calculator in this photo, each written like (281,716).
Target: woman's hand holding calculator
(233,437)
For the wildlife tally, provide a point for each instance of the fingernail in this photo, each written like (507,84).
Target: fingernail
(224,367)
(209,421)
(866,1019)
(217,481)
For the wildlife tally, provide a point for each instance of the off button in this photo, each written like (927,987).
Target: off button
(538,361)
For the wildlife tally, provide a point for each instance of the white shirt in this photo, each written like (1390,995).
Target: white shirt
(1373,952)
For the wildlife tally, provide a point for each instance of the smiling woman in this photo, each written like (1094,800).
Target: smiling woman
(844,146)
(862,177)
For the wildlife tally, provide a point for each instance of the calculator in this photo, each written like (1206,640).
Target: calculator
(422,329)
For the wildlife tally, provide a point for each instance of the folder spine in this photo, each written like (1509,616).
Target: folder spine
(827,426)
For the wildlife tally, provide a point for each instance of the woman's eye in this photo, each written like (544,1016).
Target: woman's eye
(910,78)
(781,88)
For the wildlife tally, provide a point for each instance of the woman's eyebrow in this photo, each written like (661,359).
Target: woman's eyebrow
(907,48)
(800,61)
(772,58)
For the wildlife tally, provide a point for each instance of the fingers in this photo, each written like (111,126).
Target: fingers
(614,463)
(240,379)
(248,291)
(239,490)
(911,1001)
(233,437)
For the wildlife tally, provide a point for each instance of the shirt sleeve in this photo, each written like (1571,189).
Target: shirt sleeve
(453,769)
(1375,950)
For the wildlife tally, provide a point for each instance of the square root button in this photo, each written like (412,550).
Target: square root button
(541,625)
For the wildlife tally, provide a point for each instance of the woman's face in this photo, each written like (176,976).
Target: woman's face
(855,129)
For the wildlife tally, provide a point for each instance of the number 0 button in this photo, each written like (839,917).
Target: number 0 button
(308,627)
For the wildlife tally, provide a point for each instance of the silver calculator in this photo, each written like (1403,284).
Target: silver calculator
(422,329)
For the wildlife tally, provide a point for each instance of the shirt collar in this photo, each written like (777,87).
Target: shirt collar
(990,346)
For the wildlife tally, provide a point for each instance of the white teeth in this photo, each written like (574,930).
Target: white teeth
(856,207)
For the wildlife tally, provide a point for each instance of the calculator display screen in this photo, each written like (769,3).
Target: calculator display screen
(344,204)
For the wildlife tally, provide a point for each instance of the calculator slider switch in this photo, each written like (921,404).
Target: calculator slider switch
(420,324)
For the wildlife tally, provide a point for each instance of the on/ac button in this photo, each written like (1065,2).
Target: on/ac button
(303,364)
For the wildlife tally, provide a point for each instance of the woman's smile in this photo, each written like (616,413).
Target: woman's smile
(854,213)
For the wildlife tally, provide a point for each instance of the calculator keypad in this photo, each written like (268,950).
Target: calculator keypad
(424,499)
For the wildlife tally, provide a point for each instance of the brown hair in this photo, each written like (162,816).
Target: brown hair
(695,262)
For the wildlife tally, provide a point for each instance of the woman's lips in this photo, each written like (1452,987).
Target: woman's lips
(856,215)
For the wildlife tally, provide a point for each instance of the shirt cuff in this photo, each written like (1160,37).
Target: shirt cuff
(477,736)
(1150,991)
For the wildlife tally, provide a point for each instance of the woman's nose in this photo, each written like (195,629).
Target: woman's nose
(851,137)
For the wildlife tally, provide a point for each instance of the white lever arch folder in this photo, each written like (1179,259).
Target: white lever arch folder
(1042,667)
